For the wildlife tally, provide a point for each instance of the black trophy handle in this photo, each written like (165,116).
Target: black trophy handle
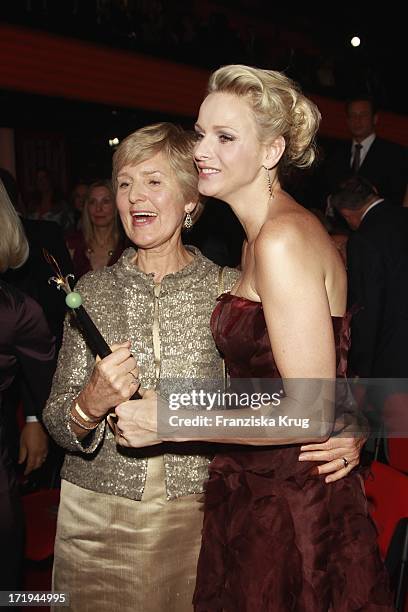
(96,341)
(93,336)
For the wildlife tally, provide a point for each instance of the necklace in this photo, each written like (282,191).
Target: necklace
(91,251)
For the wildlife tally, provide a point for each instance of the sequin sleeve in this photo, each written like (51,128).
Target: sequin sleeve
(75,364)
(230,277)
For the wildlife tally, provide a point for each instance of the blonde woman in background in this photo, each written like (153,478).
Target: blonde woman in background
(100,240)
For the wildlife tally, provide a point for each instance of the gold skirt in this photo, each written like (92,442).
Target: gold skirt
(115,554)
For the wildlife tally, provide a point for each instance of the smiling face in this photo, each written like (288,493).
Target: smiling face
(151,204)
(101,207)
(228,154)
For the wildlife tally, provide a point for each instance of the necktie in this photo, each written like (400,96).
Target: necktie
(356,159)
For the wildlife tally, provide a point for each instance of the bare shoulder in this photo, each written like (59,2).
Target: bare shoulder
(294,248)
(291,229)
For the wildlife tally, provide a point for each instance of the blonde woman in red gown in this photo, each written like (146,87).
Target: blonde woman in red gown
(276,537)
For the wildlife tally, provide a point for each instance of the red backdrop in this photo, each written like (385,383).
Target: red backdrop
(40,63)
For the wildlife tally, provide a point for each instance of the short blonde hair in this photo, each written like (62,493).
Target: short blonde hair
(86,223)
(178,147)
(279,108)
(14,247)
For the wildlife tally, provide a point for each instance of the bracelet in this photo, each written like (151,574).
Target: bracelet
(71,416)
(83,415)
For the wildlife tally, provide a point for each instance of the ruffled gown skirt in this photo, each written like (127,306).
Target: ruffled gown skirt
(277,539)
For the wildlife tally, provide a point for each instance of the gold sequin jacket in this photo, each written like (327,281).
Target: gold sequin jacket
(168,325)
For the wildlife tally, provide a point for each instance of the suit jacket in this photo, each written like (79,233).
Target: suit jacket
(32,278)
(377,257)
(26,345)
(385,166)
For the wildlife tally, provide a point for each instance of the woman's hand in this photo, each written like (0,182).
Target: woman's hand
(33,446)
(341,455)
(137,421)
(114,380)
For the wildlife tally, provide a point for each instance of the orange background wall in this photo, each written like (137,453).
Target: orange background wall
(41,63)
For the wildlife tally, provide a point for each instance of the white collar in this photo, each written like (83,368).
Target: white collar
(371,206)
(366,143)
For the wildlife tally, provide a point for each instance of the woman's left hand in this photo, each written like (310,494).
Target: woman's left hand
(340,454)
(33,446)
(137,421)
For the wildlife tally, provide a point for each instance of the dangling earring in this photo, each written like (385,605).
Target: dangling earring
(188,221)
(268,177)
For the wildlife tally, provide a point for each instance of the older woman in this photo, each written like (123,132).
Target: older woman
(100,241)
(129,524)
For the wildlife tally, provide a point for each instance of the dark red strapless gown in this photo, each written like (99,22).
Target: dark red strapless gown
(275,538)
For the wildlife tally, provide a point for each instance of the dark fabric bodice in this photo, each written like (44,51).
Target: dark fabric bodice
(239,329)
(25,343)
(276,537)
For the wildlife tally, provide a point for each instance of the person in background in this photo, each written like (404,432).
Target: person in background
(377,255)
(26,346)
(100,240)
(338,232)
(383,163)
(77,200)
(46,203)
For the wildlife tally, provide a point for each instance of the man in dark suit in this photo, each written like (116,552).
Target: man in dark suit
(382,162)
(32,277)
(377,258)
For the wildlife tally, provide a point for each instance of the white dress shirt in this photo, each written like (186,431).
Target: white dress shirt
(365,146)
(371,206)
